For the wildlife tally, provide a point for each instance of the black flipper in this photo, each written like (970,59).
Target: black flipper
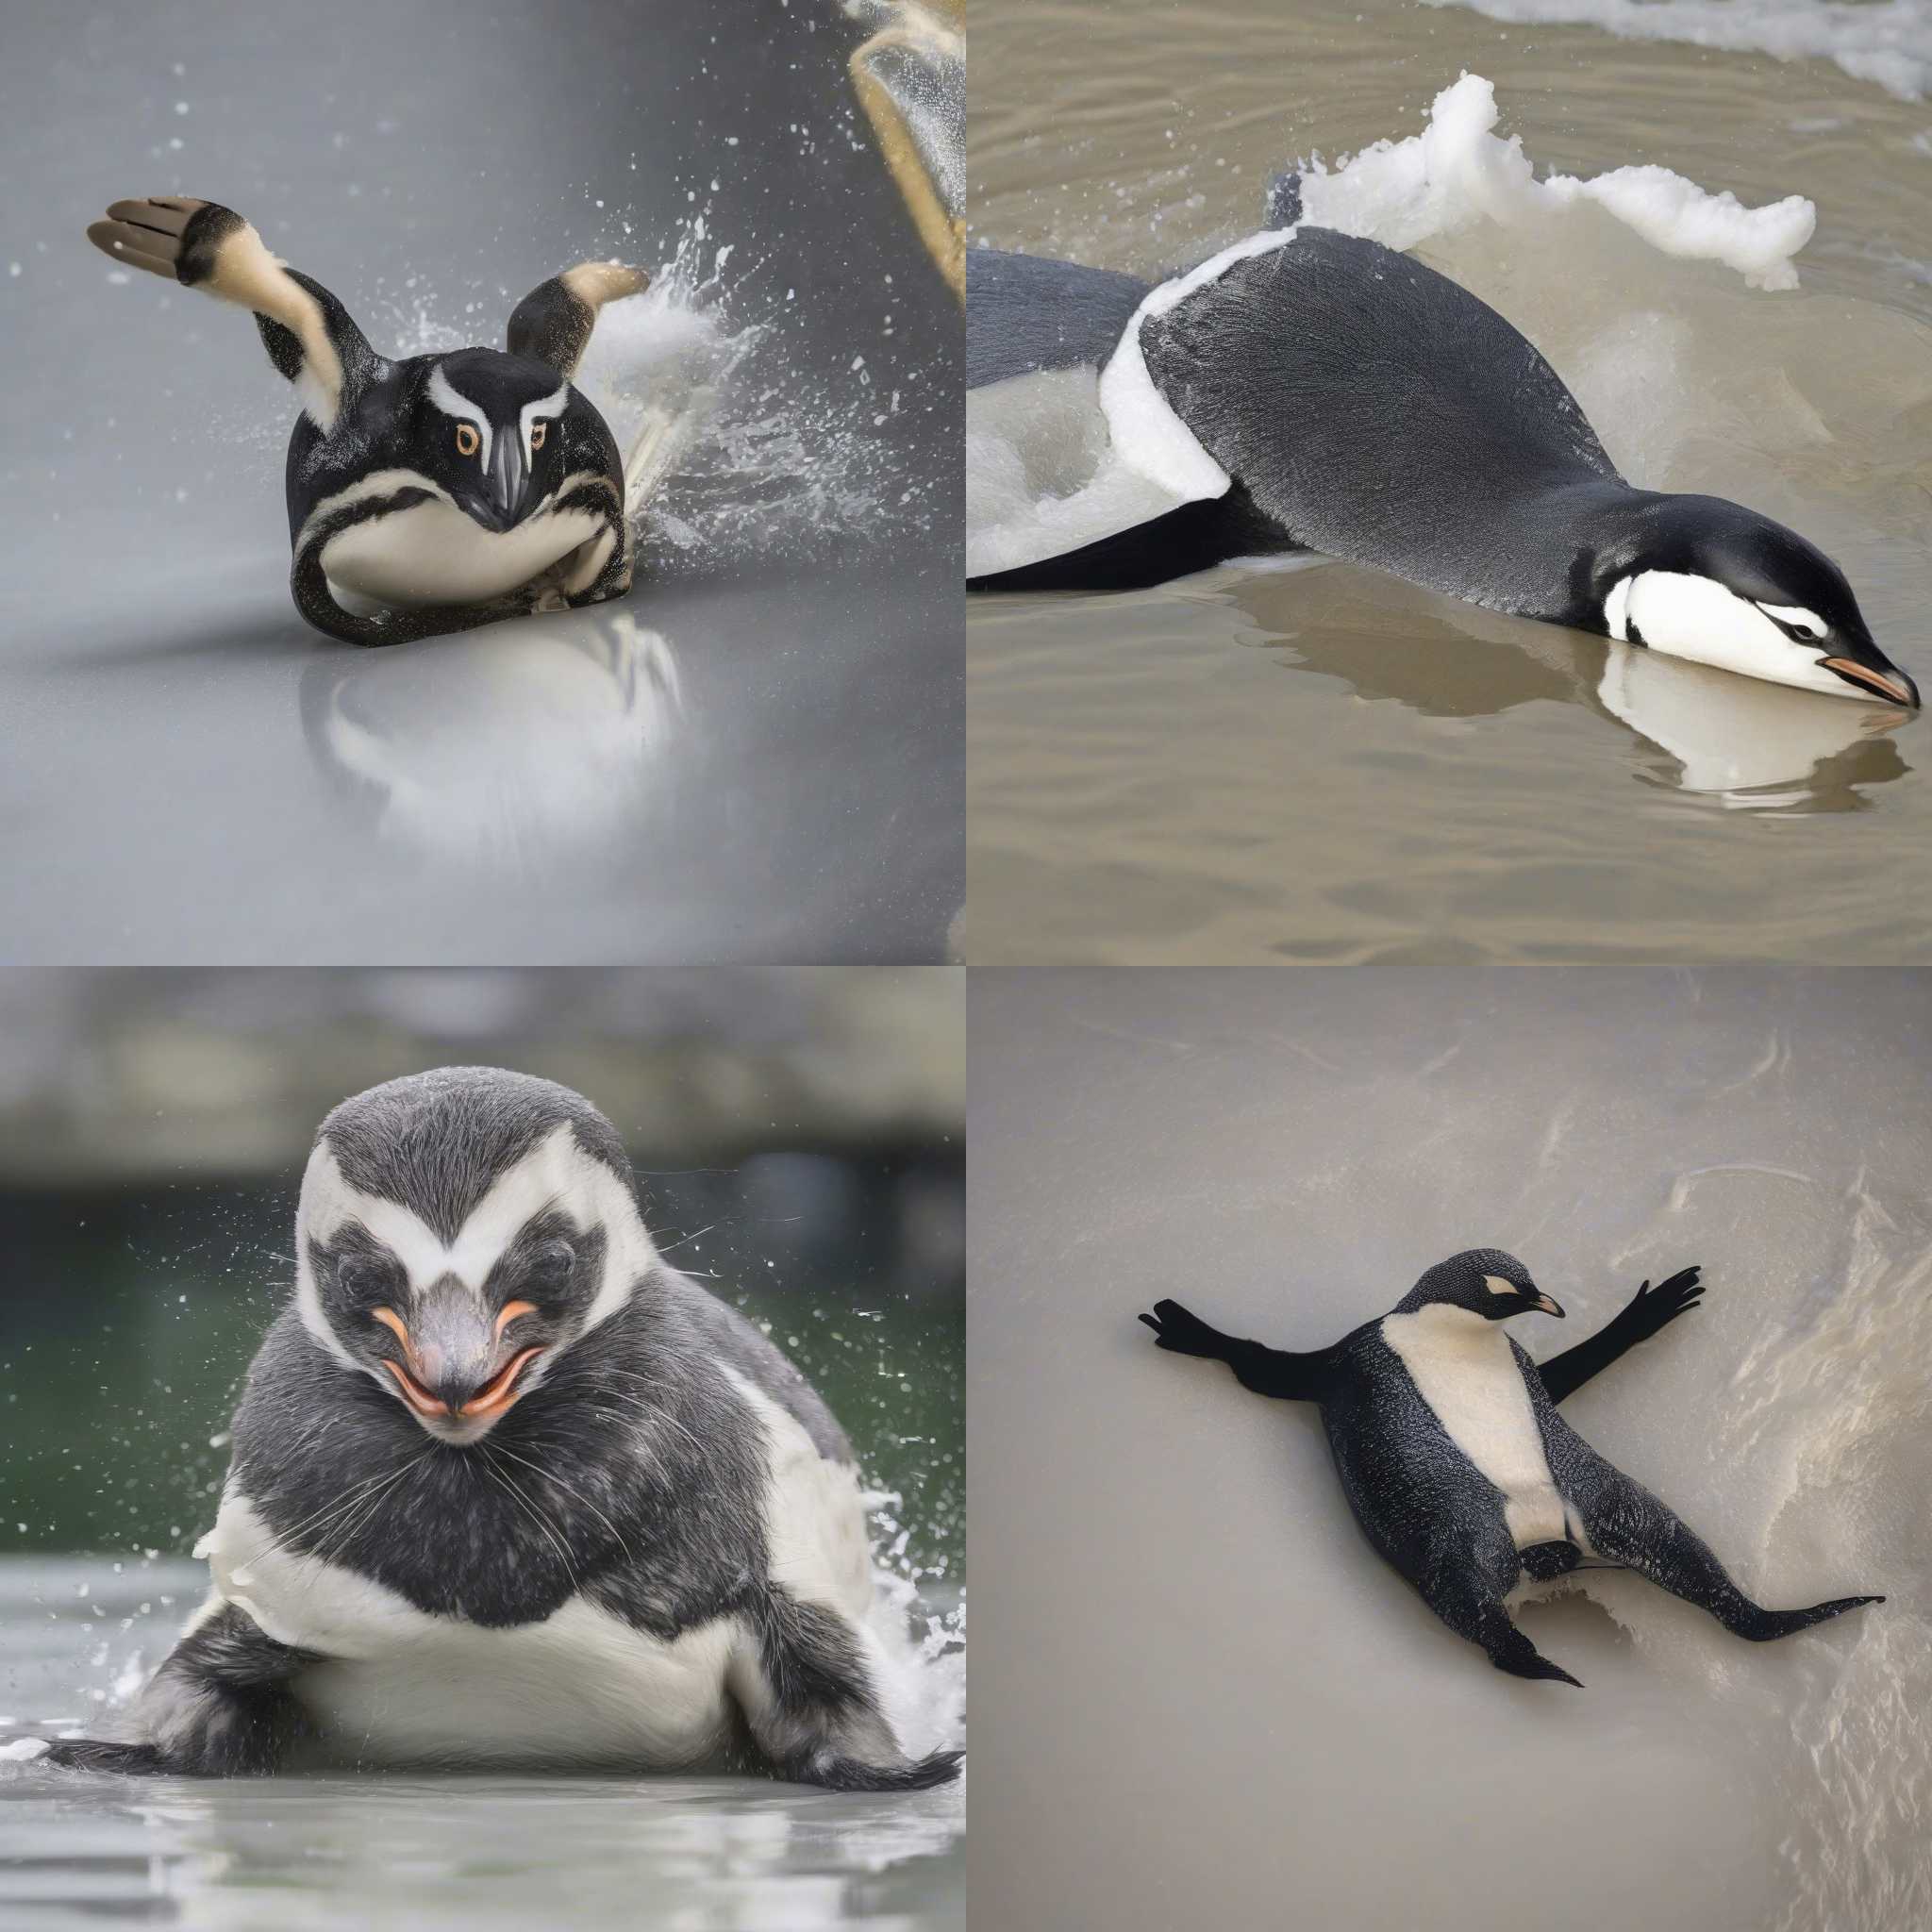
(309,336)
(1647,1311)
(1024,313)
(553,322)
(1628,1525)
(1465,1587)
(814,1711)
(219,1707)
(1266,1371)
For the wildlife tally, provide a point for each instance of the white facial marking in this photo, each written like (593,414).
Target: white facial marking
(1697,617)
(554,1173)
(551,404)
(1496,1285)
(1465,1369)
(1808,623)
(452,403)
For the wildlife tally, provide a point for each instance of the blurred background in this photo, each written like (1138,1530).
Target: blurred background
(796,1132)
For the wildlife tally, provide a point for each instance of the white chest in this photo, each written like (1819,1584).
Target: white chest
(1464,1369)
(434,553)
(402,1687)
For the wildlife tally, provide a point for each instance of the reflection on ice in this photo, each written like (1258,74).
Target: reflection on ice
(1751,745)
(522,739)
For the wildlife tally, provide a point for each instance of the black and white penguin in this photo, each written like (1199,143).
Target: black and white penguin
(1458,1467)
(449,490)
(1306,389)
(507,1490)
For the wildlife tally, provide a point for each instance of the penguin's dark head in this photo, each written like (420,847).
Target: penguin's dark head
(1485,1281)
(460,1230)
(1699,577)
(488,430)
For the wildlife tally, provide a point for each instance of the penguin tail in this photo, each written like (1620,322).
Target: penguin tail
(102,1755)
(834,1773)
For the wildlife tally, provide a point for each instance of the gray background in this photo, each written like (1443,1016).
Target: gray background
(790,790)
(1199,1698)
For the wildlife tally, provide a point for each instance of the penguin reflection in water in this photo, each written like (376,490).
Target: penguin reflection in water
(446,490)
(507,1490)
(1312,390)
(1460,1470)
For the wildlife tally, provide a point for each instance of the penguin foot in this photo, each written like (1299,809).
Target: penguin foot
(1764,1626)
(98,1754)
(1176,1329)
(834,1773)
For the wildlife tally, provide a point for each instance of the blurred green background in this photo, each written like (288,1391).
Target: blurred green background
(797,1132)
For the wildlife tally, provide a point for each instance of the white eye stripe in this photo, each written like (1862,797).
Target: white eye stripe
(1807,622)
(452,403)
(1496,1285)
(551,404)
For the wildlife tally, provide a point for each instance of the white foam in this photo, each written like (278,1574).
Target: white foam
(1888,43)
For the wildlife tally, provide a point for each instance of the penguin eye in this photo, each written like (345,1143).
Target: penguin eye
(551,1265)
(537,433)
(1800,626)
(361,1276)
(467,442)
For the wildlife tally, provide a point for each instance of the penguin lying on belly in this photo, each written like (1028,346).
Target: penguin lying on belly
(1309,389)
(456,489)
(505,1489)
(1458,1467)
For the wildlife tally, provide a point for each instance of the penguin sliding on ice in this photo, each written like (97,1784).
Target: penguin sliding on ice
(1458,1467)
(1307,389)
(450,490)
(507,1490)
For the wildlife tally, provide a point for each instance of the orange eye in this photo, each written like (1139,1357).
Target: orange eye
(467,442)
(537,431)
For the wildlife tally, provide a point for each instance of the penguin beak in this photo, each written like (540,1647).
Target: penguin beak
(458,1373)
(509,482)
(1885,679)
(1541,1302)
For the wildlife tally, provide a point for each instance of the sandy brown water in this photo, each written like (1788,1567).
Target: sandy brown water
(1323,763)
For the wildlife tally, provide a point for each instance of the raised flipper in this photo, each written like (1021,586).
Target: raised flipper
(201,245)
(1627,1525)
(1647,1311)
(805,1684)
(553,322)
(219,1707)
(1266,1371)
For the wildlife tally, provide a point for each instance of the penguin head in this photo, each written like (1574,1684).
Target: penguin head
(488,428)
(458,1232)
(1485,1282)
(1702,578)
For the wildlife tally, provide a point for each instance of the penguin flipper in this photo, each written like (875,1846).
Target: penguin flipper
(805,1683)
(1648,1310)
(1267,1371)
(553,322)
(1628,1525)
(309,336)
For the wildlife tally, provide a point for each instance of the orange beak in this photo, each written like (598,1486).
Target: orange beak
(495,1397)
(1887,684)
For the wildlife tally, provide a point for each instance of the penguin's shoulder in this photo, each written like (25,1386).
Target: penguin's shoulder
(1025,313)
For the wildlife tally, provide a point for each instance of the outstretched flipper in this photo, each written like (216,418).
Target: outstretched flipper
(807,1686)
(553,322)
(1647,1311)
(219,1707)
(1266,1371)
(1627,1525)
(201,245)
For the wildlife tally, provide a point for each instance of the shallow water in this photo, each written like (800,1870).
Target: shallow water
(1260,1712)
(693,1855)
(1323,763)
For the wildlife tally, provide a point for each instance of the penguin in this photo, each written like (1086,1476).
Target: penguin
(447,489)
(1309,389)
(1460,1472)
(505,1489)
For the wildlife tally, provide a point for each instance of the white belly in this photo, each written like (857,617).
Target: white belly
(434,553)
(1467,1372)
(403,1686)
